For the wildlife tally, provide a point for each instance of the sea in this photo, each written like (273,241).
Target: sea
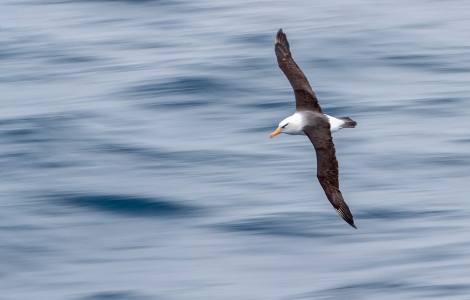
(136,163)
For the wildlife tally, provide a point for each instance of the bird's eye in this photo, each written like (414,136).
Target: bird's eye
(285,125)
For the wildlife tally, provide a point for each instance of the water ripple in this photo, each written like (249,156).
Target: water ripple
(396,214)
(127,205)
(182,85)
(287,224)
(122,295)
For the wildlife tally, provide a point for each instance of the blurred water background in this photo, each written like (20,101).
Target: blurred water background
(136,161)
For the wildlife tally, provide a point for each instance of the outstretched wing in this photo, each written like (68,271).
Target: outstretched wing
(305,98)
(327,167)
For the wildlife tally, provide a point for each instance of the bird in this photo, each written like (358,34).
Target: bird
(309,120)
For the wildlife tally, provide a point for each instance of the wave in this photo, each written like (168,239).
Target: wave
(126,205)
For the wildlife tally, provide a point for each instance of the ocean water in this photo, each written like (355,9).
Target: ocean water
(136,161)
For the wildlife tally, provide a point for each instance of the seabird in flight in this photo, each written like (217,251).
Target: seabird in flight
(309,120)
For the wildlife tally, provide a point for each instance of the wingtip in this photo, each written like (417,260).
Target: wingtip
(281,44)
(346,215)
(277,39)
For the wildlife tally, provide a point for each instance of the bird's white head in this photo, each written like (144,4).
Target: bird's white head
(290,125)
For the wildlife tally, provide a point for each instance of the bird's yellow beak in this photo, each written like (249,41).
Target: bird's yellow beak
(278,130)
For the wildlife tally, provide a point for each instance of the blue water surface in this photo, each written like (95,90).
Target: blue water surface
(136,161)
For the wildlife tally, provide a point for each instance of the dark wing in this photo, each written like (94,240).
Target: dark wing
(305,98)
(327,167)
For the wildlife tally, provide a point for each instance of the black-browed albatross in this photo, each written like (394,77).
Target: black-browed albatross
(309,120)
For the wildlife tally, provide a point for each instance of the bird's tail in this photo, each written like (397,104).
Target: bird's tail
(348,122)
